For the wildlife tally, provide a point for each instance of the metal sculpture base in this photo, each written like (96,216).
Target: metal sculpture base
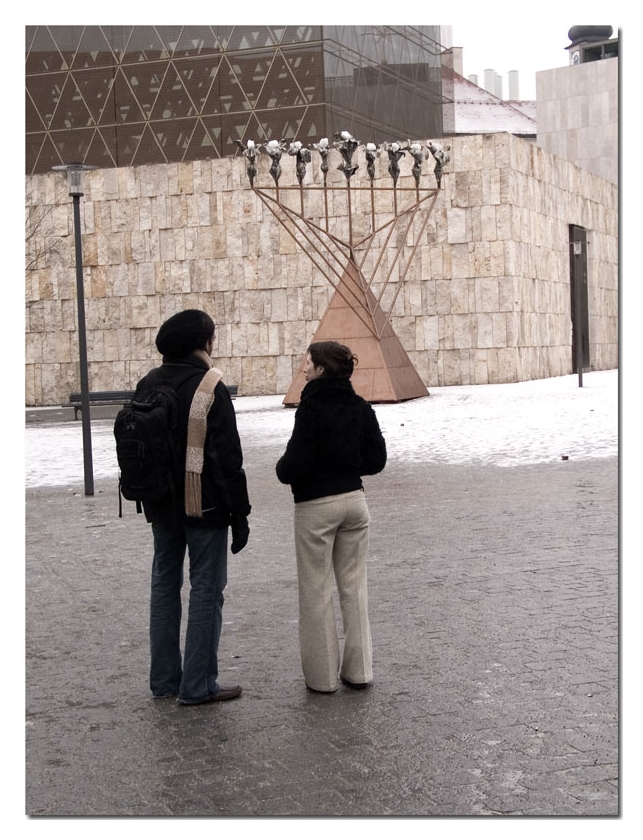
(354,316)
(384,372)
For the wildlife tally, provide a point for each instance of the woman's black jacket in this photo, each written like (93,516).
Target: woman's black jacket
(336,439)
(223,458)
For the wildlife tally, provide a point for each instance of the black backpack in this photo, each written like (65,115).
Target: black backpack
(148,446)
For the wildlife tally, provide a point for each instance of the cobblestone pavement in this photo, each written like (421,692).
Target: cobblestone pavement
(494,608)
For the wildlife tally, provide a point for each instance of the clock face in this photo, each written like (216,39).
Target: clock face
(575,57)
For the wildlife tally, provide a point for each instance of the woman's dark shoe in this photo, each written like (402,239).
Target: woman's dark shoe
(319,690)
(356,686)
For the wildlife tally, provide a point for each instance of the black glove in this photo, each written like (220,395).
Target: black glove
(240,533)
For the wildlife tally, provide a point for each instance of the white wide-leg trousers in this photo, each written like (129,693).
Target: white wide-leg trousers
(331,540)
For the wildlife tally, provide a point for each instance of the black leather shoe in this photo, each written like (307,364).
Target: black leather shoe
(224,693)
(319,690)
(356,686)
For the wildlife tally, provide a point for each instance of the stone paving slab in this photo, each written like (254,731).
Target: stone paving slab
(494,608)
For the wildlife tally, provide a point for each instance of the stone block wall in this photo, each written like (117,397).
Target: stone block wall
(578,114)
(486,297)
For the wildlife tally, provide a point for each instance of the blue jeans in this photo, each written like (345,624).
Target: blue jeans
(196,677)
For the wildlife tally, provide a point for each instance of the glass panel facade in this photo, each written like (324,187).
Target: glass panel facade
(130,95)
(384,82)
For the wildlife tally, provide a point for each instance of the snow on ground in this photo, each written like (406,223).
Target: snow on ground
(502,425)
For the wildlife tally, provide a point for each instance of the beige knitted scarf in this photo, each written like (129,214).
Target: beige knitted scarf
(197,427)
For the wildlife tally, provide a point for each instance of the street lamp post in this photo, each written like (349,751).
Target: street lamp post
(75,173)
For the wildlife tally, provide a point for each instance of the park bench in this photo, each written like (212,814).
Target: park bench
(116,398)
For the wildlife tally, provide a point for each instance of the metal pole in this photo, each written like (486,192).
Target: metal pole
(82,350)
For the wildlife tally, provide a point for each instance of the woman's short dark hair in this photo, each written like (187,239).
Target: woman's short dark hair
(336,359)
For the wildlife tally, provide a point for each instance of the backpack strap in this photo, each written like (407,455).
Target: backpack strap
(139,507)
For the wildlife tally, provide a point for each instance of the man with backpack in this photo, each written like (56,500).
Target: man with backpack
(180,458)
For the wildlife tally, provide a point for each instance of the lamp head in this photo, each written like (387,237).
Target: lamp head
(75,173)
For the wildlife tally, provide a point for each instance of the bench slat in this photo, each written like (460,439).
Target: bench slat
(116,397)
(98,396)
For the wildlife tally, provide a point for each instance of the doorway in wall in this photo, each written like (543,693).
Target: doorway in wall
(579,298)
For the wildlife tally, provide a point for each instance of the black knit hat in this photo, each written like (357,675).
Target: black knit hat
(184,333)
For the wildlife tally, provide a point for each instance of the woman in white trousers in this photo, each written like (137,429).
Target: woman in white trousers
(336,439)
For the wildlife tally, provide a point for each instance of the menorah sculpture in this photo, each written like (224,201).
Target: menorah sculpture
(357,264)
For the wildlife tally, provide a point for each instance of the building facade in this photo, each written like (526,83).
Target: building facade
(117,96)
(488,297)
(578,105)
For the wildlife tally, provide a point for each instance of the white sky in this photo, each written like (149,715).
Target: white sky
(526,37)
(498,44)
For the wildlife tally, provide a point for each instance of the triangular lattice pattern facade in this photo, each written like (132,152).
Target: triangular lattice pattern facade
(131,95)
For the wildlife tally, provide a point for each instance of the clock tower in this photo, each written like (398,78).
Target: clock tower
(591,43)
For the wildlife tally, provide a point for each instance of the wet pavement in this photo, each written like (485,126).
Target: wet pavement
(494,606)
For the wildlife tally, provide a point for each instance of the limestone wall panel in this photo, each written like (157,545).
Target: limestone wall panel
(457,225)
(461,297)
(486,297)
(461,261)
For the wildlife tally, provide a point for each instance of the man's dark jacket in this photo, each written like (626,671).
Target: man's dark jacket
(223,481)
(336,439)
